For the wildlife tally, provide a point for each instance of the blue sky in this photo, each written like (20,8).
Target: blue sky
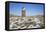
(31,9)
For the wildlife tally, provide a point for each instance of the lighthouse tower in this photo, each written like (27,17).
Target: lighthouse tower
(23,12)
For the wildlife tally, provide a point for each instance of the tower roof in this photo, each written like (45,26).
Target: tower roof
(23,8)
